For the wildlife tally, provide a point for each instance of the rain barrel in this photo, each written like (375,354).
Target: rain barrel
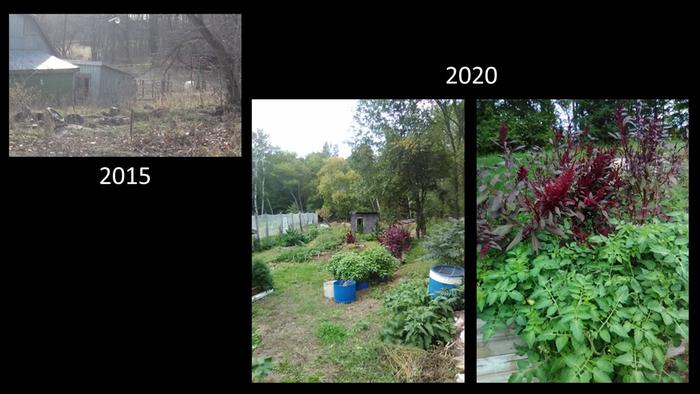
(363,284)
(344,291)
(444,276)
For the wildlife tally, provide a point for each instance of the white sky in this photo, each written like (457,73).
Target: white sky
(302,126)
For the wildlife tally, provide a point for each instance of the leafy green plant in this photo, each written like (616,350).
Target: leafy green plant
(445,243)
(454,297)
(349,265)
(262,367)
(374,263)
(292,237)
(604,313)
(417,319)
(380,263)
(262,278)
(330,333)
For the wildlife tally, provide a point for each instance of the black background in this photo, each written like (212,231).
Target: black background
(149,284)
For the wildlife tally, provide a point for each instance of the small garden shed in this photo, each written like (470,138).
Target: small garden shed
(364,221)
(101,83)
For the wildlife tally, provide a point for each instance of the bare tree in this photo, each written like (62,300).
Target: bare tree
(228,59)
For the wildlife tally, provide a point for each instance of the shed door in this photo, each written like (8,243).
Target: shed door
(82,86)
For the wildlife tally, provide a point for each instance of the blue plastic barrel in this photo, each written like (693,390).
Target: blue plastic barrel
(363,284)
(444,276)
(344,294)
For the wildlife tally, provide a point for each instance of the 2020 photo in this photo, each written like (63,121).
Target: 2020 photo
(582,241)
(358,241)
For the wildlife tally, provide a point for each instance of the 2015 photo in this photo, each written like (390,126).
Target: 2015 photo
(124,85)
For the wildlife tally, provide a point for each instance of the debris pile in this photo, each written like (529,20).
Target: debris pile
(52,119)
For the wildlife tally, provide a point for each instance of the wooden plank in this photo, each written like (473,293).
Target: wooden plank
(496,364)
(498,346)
(501,377)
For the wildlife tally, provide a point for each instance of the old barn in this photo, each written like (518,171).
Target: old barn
(35,63)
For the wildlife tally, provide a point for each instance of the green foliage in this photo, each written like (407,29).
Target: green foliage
(530,122)
(366,237)
(599,314)
(417,319)
(330,333)
(298,254)
(292,237)
(454,297)
(340,188)
(380,262)
(261,367)
(347,265)
(374,263)
(262,277)
(266,243)
(310,233)
(445,243)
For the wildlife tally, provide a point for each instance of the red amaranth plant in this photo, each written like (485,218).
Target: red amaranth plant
(650,166)
(396,239)
(572,191)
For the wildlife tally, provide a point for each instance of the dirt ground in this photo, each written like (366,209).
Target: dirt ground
(162,130)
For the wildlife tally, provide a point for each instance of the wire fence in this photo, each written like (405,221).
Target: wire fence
(278,224)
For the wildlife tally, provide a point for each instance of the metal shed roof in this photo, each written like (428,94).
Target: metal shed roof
(97,63)
(37,60)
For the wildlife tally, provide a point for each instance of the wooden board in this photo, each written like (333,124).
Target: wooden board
(496,359)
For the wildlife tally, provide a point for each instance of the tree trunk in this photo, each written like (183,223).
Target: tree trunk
(153,33)
(227,61)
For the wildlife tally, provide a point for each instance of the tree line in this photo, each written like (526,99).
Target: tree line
(407,161)
(530,122)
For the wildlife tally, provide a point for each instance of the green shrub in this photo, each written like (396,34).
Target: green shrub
(605,313)
(348,265)
(374,263)
(262,277)
(445,243)
(381,264)
(292,238)
(417,319)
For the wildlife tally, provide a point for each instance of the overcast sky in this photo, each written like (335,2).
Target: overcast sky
(302,126)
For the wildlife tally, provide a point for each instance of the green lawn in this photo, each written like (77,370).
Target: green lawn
(312,339)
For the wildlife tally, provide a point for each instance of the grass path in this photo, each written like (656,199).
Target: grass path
(312,339)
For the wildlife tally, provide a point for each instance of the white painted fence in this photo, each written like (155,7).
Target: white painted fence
(278,224)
